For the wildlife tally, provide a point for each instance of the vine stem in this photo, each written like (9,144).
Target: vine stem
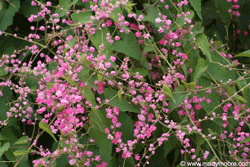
(203,135)
(43,46)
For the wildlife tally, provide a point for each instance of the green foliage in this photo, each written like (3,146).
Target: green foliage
(222,9)
(22,140)
(179,97)
(27,9)
(88,94)
(200,69)
(4,148)
(127,126)
(46,128)
(4,102)
(243,54)
(20,152)
(7,13)
(197,7)
(70,81)
(100,38)
(167,91)
(170,145)
(81,17)
(213,35)
(3,72)
(128,46)
(122,104)
(96,132)
(64,6)
(202,43)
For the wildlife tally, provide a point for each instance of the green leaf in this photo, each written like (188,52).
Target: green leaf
(200,69)
(181,20)
(99,77)
(245,140)
(243,54)
(70,81)
(64,6)
(100,38)
(148,49)
(123,105)
(4,102)
(7,13)
(217,43)
(167,91)
(32,83)
(3,72)
(240,98)
(82,17)
(27,9)
(222,7)
(62,161)
(202,43)
(129,46)
(215,99)
(20,152)
(230,90)
(198,28)
(170,145)
(9,133)
(84,74)
(179,97)
(241,83)
(196,4)
(191,86)
(193,54)
(4,148)
(88,94)
(218,72)
(2,137)
(3,164)
(71,43)
(119,94)
(22,140)
(199,141)
(129,6)
(151,15)
(52,66)
(47,129)
(59,109)
(97,132)
(49,85)
(142,71)
(127,126)
(114,16)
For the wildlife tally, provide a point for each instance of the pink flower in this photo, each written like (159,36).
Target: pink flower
(141,117)
(114,119)
(29,110)
(118,135)
(100,87)
(158,20)
(33,3)
(42,28)
(137,157)
(89,153)
(197,106)
(117,38)
(112,58)
(48,3)
(107,64)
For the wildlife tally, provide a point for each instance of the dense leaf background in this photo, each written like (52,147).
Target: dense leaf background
(212,22)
